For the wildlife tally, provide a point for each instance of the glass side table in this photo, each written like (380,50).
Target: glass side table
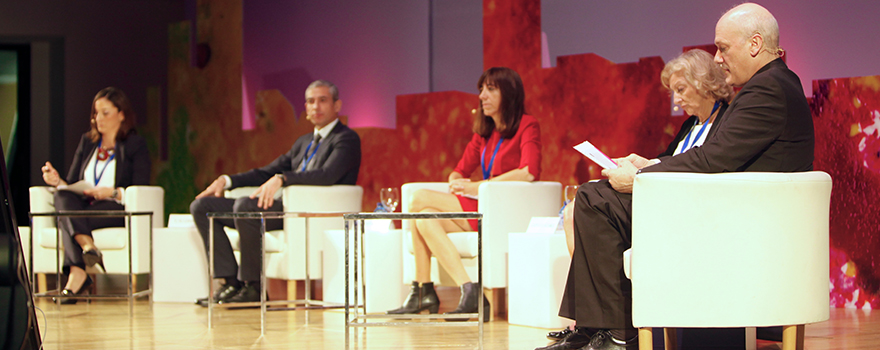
(131,295)
(263,216)
(354,223)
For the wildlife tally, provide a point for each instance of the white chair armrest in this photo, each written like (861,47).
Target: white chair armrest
(147,198)
(42,201)
(510,205)
(507,207)
(306,198)
(141,199)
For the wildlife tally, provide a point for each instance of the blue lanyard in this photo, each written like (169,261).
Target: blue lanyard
(687,139)
(488,172)
(309,159)
(95,172)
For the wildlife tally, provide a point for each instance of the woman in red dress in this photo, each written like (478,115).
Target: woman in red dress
(506,146)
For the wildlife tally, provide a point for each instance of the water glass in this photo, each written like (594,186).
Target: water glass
(390,198)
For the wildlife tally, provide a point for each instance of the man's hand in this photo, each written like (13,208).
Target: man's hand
(621,179)
(266,192)
(215,189)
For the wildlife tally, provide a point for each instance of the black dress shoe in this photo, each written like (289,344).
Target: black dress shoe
(250,292)
(576,339)
(225,291)
(420,298)
(603,340)
(93,256)
(69,293)
(560,334)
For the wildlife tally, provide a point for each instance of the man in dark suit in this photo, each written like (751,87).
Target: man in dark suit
(768,127)
(330,155)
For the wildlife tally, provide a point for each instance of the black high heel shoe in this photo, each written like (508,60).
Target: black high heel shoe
(420,298)
(92,257)
(69,293)
(468,304)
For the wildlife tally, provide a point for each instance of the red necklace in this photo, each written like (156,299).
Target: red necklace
(104,154)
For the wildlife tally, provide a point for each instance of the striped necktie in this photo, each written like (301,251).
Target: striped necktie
(310,154)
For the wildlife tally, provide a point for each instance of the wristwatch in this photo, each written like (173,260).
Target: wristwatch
(115,193)
(281,177)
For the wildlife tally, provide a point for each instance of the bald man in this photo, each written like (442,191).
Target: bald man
(768,127)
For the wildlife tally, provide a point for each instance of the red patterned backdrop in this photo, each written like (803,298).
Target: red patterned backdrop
(621,108)
(846,113)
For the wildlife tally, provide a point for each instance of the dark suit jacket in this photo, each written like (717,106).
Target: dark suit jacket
(132,161)
(686,126)
(768,127)
(337,161)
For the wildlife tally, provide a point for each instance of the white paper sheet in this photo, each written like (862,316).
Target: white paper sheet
(586,148)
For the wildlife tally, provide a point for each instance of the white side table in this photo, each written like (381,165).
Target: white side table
(538,265)
(179,264)
(383,264)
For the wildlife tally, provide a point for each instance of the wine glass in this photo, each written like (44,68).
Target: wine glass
(390,197)
(570,193)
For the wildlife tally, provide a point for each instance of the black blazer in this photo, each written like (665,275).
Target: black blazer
(132,161)
(686,126)
(337,161)
(768,127)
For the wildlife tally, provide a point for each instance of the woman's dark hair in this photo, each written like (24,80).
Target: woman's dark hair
(513,97)
(121,102)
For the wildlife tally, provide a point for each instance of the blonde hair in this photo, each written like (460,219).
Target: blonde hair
(698,69)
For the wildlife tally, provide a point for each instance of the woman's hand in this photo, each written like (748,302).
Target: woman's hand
(50,175)
(99,193)
(636,160)
(621,179)
(456,186)
(464,187)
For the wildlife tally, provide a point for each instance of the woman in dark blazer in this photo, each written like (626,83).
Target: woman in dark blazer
(109,158)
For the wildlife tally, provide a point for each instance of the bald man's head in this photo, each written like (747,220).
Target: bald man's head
(747,37)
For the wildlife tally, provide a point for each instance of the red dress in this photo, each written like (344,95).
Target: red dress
(523,149)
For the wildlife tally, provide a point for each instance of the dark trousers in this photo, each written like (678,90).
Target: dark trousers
(66,200)
(248,230)
(597,293)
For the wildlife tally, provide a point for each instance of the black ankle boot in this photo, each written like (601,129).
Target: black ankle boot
(470,293)
(419,299)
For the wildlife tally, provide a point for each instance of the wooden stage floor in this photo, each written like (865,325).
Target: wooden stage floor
(107,325)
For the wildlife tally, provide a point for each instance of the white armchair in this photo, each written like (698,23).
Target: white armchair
(730,250)
(112,241)
(507,206)
(285,249)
